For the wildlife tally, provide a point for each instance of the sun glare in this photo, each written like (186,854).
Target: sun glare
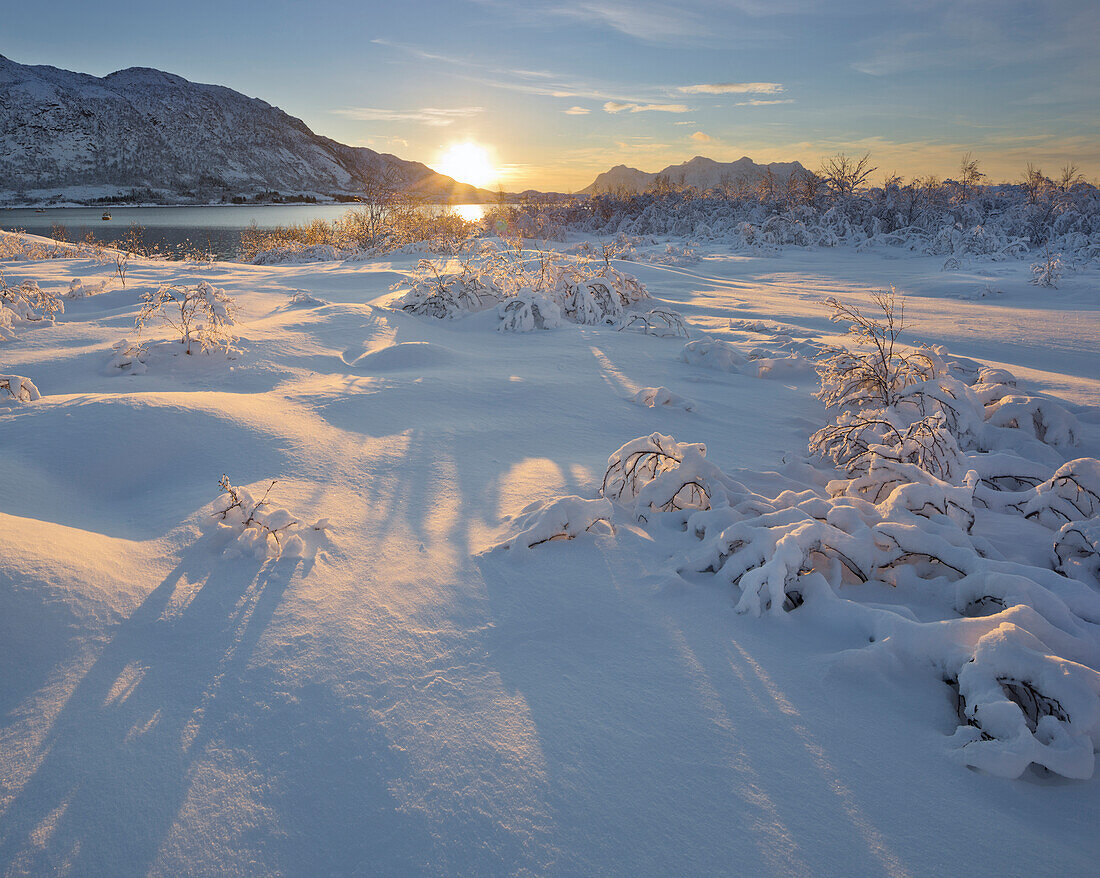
(468,163)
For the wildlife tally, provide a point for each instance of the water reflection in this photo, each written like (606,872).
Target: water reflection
(470,212)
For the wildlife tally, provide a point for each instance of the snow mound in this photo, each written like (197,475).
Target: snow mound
(655,397)
(713,354)
(563,518)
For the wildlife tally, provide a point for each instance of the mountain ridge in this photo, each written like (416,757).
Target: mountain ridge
(699,172)
(146,129)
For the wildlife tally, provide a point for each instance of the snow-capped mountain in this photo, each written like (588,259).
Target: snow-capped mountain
(700,173)
(146,129)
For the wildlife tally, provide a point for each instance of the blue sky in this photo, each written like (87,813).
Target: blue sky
(561,91)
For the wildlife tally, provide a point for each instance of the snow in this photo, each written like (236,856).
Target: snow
(393,696)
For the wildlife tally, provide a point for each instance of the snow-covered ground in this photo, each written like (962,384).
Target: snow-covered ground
(394,696)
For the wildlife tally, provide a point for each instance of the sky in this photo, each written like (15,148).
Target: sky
(560,91)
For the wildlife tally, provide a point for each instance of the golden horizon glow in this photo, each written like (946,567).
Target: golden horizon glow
(468,162)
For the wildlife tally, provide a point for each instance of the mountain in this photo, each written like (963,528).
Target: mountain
(145,129)
(700,173)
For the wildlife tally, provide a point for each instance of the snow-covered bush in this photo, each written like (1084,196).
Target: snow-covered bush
(659,397)
(564,518)
(202,315)
(536,289)
(1076,550)
(26,302)
(656,473)
(78,289)
(1048,271)
(259,529)
(1071,494)
(448,295)
(129,355)
(389,221)
(18,388)
(527,311)
(672,254)
(662,322)
(910,532)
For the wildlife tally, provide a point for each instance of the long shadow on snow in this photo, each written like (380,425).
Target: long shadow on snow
(172,692)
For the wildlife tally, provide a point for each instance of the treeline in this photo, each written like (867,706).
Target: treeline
(960,216)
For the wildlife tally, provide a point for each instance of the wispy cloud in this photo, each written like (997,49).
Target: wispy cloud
(437,117)
(701,137)
(577,111)
(626,107)
(546,83)
(651,21)
(733,88)
(756,102)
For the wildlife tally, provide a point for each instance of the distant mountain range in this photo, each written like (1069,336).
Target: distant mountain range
(142,129)
(700,173)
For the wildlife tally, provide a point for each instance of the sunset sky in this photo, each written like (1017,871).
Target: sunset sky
(561,91)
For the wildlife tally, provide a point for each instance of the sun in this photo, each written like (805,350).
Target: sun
(467,162)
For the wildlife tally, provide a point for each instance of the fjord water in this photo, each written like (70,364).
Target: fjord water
(216,228)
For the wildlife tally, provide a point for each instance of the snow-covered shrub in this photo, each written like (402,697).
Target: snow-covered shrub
(1048,271)
(15,247)
(656,473)
(877,379)
(673,254)
(18,388)
(656,397)
(122,262)
(26,302)
(527,311)
(129,355)
(593,302)
(859,439)
(662,322)
(203,315)
(530,289)
(564,518)
(1076,550)
(444,294)
(1071,494)
(78,289)
(1042,419)
(258,528)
